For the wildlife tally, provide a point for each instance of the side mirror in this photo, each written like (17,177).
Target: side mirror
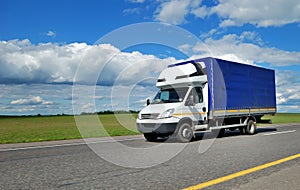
(190,101)
(148,102)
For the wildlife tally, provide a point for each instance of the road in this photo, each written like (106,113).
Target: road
(76,165)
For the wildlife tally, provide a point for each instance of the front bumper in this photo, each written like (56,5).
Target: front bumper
(160,126)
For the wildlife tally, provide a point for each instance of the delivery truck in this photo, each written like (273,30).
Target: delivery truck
(208,94)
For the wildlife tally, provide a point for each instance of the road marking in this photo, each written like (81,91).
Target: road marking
(280,132)
(67,144)
(241,173)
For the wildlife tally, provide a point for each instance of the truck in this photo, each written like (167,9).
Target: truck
(208,94)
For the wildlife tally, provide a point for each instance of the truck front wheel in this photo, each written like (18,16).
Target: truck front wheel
(184,132)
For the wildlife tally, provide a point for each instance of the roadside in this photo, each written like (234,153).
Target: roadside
(56,128)
(72,142)
(80,141)
(287,178)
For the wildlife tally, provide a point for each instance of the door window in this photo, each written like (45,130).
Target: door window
(197,95)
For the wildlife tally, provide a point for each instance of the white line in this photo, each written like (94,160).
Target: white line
(67,144)
(280,132)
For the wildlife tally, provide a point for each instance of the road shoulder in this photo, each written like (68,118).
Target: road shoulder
(4,147)
(287,178)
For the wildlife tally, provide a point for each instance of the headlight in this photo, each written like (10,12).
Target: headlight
(166,114)
(139,115)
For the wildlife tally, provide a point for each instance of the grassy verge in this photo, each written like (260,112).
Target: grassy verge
(46,128)
(281,118)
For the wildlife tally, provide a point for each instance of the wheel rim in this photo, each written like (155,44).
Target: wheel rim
(186,133)
(252,128)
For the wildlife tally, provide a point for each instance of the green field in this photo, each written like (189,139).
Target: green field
(280,118)
(46,128)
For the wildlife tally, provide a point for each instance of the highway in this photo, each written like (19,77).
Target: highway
(76,165)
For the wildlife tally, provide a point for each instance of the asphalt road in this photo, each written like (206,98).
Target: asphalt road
(75,165)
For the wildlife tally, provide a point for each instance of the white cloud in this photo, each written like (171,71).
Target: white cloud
(200,12)
(33,100)
(137,1)
(237,46)
(175,11)
(89,107)
(261,13)
(51,33)
(132,11)
(185,48)
(24,62)
(28,69)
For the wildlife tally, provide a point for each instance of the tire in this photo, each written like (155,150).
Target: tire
(250,129)
(150,137)
(184,133)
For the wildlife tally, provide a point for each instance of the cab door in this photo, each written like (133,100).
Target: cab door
(196,106)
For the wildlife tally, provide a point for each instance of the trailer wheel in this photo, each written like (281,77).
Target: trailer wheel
(150,137)
(184,133)
(250,129)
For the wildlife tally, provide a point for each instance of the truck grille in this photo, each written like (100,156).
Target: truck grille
(150,116)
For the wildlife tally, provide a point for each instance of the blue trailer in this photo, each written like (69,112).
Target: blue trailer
(237,88)
(208,94)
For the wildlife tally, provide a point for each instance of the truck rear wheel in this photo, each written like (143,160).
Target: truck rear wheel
(250,129)
(150,137)
(184,133)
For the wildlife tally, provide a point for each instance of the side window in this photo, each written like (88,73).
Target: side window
(197,95)
(200,95)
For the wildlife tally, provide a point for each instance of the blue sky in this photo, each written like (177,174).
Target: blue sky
(47,45)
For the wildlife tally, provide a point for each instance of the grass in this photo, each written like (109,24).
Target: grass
(47,128)
(281,118)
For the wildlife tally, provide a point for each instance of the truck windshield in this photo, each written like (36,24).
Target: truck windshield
(170,95)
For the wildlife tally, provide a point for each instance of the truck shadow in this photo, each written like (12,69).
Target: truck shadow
(208,135)
(229,133)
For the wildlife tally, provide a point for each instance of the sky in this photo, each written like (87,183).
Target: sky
(79,56)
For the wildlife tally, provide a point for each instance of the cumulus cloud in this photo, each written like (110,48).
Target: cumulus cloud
(33,100)
(261,13)
(237,47)
(175,11)
(288,90)
(24,62)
